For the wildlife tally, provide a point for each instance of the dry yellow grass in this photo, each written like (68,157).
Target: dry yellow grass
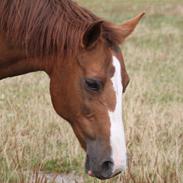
(33,137)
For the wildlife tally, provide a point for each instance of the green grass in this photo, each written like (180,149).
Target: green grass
(33,137)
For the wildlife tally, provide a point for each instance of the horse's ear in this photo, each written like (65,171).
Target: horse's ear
(92,34)
(128,27)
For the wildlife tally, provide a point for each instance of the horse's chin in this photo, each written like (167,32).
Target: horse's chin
(91,174)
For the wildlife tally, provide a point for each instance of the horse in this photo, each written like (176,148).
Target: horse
(80,53)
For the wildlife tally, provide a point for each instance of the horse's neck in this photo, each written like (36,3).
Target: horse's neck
(13,62)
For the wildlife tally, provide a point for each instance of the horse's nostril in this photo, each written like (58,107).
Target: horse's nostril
(107,167)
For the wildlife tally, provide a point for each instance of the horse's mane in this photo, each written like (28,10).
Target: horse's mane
(44,27)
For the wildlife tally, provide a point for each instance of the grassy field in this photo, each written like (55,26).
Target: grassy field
(33,137)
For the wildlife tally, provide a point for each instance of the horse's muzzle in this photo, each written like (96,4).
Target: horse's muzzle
(101,169)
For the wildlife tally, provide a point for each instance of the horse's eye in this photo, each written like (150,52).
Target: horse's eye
(93,85)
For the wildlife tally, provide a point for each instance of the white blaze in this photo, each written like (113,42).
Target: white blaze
(117,136)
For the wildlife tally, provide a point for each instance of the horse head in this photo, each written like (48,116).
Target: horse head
(86,90)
